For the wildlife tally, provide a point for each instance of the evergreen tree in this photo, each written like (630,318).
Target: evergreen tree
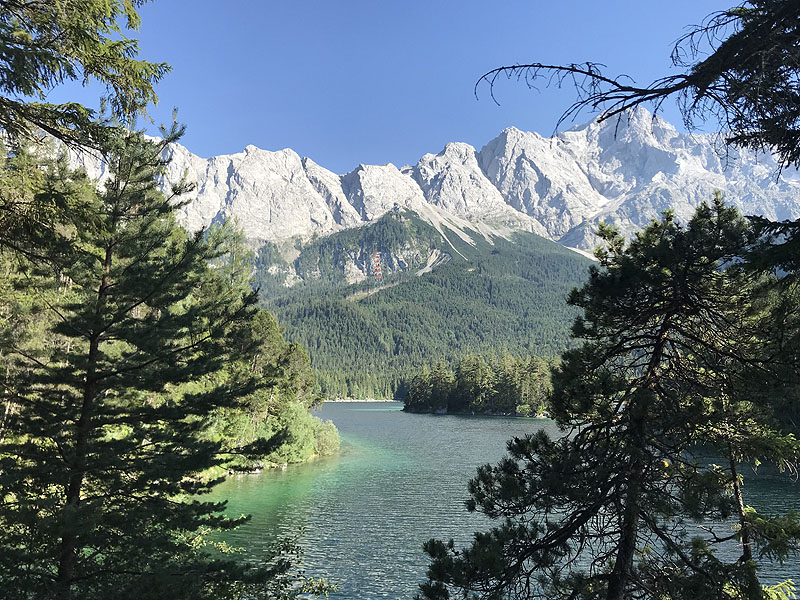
(441,387)
(107,405)
(45,44)
(475,383)
(605,511)
(280,406)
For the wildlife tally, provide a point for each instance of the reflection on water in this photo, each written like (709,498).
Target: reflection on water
(399,480)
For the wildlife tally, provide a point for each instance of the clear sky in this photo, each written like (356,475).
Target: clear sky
(358,81)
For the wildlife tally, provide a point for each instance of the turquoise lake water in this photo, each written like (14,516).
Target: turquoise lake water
(399,480)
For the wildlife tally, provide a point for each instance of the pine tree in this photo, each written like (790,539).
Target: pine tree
(605,511)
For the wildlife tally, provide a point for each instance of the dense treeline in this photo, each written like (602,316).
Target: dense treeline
(280,407)
(503,385)
(366,341)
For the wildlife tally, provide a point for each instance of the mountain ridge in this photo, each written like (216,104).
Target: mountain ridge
(625,172)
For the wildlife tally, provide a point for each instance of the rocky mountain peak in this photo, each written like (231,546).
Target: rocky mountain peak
(624,170)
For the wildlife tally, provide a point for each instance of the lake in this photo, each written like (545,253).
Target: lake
(399,480)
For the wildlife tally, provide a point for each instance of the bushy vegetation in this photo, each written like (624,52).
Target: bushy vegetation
(323,260)
(279,408)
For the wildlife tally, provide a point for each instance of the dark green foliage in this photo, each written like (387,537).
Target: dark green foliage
(42,45)
(270,270)
(674,360)
(497,386)
(366,341)
(122,339)
(269,255)
(684,347)
(45,44)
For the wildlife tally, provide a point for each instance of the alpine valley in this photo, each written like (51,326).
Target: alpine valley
(477,248)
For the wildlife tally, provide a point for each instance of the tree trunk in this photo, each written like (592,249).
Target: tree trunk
(629,528)
(753,590)
(68,557)
(68,551)
(630,521)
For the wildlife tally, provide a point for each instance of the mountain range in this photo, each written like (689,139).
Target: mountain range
(625,171)
(474,247)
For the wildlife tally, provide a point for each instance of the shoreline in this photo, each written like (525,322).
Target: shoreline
(440,412)
(341,400)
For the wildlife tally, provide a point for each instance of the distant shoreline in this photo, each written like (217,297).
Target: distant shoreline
(336,400)
(440,412)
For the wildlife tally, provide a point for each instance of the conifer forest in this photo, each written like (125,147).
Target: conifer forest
(491,375)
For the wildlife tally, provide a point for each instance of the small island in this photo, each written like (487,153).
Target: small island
(494,386)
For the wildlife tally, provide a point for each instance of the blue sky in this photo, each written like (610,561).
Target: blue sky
(379,81)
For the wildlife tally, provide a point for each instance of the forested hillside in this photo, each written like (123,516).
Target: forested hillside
(365,339)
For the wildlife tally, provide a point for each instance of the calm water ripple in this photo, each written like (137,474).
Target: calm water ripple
(399,480)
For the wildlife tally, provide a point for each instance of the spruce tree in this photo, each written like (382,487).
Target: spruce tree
(108,390)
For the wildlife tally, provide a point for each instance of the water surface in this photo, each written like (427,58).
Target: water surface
(399,480)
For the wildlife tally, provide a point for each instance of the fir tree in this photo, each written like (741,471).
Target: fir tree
(106,432)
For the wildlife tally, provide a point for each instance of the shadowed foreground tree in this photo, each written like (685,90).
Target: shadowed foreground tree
(120,338)
(622,505)
(681,349)
(116,350)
